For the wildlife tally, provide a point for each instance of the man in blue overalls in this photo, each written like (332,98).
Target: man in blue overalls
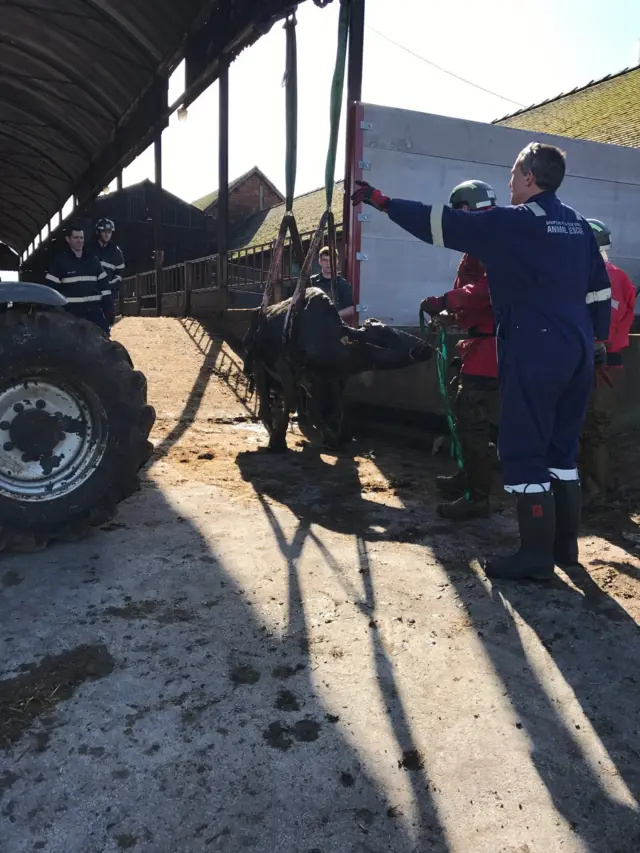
(551,298)
(78,275)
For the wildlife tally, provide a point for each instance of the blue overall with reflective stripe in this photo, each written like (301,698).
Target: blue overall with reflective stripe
(551,298)
(84,284)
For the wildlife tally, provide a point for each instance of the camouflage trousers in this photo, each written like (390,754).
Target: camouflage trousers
(477,409)
(596,433)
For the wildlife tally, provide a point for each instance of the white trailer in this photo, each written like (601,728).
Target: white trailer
(422,157)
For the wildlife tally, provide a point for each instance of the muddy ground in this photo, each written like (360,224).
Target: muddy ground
(295,654)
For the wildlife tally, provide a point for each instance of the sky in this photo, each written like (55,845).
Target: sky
(524,53)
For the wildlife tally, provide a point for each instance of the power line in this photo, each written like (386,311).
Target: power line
(444,70)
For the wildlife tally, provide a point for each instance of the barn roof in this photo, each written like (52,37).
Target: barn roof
(83,89)
(206,201)
(263,227)
(606,110)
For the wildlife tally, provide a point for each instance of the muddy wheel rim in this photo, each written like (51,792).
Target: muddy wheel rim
(52,437)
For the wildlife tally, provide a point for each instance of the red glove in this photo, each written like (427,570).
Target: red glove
(432,305)
(366,194)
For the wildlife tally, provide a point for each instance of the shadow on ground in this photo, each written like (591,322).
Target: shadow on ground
(200,727)
(588,643)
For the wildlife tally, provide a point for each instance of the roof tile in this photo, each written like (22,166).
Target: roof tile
(263,227)
(606,110)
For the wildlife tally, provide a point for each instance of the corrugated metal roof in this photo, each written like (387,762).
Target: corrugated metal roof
(606,110)
(81,89)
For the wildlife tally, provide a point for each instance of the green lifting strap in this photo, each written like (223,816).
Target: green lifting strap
(288,225)
(442,361)
(327,219)
(337,90)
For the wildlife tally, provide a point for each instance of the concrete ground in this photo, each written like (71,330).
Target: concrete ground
(295,655)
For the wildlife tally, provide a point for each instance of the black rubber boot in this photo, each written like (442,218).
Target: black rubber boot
(454,486)
(466,509)
(568,498)
(477,505)
(534,560)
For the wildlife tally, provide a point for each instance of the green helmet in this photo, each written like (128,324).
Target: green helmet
(602,232)
(476,194)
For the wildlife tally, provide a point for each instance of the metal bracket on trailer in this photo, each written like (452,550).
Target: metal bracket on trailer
(364,217)
(366,125)
(360,256)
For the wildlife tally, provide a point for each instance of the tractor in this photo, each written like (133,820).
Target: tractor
(74,421)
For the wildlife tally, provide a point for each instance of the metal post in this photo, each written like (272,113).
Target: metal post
(157,218)
(223,182)
(354,94)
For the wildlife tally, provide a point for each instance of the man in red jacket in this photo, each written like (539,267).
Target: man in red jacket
(594,449)
(477,400)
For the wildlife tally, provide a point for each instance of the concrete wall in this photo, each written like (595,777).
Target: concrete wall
(416,389)
(419,156)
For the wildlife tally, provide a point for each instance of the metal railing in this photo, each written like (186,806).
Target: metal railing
(247,273)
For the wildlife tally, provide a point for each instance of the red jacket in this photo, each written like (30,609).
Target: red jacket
(623,300)
(470,302)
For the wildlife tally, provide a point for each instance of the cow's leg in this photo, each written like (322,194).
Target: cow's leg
(263,390)
(278,436)
(325,409)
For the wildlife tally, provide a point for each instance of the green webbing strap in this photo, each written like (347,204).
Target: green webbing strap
(337,89)
(291,103)
(288,225)
(456,449)
(442,360)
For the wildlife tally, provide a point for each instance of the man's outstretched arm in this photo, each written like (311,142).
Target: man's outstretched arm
(476,232)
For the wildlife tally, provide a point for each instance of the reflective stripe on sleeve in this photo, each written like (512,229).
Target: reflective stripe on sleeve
(53,278)
(106,293)
(107,265)
(598,296)
(95,298)
(74,279)
(437,237)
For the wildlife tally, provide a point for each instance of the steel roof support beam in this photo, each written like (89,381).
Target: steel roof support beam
(354,95)
(223,181)
(157,219)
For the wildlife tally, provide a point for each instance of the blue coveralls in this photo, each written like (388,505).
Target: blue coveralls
(84,284)
(551,298)
(112,260)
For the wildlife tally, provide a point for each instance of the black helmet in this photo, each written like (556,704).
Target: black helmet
(476,194)
(105,225)
(602,232)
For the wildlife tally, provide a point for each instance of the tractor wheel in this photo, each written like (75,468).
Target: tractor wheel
(74,427)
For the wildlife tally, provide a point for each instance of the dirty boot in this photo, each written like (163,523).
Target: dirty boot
(465,509)
(534,560)
(452,487)
(568,505)
(477,504)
